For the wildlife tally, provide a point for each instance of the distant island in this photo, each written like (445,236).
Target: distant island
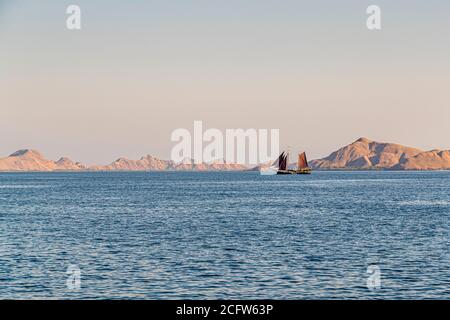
(32,160)
(363,154)
(366,154)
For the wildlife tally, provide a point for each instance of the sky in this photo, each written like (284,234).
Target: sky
(137,70)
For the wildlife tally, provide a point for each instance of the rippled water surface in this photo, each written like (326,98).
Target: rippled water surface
(175,235)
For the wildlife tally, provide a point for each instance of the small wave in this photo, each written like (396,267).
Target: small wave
(424,203)
(18,186)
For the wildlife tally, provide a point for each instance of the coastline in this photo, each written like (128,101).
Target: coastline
(225,171)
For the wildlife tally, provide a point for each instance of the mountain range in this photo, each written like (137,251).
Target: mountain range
(32,160)
(368,154)
(362,154)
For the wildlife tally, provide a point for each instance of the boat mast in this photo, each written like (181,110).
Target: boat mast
(287,157)
(287,160)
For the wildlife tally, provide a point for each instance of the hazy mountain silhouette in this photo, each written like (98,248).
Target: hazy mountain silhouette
(368,154)
(361,154)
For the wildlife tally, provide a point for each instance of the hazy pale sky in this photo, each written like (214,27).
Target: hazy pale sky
(140,69)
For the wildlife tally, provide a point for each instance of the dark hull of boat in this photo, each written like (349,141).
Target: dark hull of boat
(302,171)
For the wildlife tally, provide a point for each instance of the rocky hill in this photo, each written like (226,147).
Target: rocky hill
(368,154)
(146,163)
(32,160)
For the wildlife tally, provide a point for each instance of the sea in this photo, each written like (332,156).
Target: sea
(225,235)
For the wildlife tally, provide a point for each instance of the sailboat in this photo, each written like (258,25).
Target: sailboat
(302,164)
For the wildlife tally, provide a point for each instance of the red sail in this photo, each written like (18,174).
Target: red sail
(302,162)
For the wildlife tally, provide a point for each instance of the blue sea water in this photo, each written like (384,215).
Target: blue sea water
(171,235)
